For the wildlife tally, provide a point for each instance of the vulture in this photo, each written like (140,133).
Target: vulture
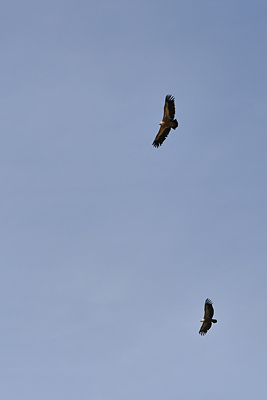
(207,320)
(167,122)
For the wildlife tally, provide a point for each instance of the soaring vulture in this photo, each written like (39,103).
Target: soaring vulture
(167,122)
(207,320)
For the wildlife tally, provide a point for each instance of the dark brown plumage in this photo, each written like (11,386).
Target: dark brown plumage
(167,122)
(207,320)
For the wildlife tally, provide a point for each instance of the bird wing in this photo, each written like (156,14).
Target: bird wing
(169,108)
(161,136)
(208,309)
(205,327)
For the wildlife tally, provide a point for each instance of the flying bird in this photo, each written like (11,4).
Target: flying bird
(207,320)
(167,122)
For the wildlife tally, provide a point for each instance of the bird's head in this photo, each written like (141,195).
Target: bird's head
(161,123)
(202,320)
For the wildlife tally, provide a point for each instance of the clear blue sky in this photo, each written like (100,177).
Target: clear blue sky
(109,247)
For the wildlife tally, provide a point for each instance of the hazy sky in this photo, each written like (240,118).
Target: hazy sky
(109,247)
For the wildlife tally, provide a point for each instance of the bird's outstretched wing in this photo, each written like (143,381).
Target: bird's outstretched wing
(208,309)
(169,108)
(161,136)
(205,327)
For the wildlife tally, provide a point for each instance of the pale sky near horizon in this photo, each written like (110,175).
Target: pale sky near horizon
(109,247)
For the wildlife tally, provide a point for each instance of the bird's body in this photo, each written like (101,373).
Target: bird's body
(167,122)
(207,320)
